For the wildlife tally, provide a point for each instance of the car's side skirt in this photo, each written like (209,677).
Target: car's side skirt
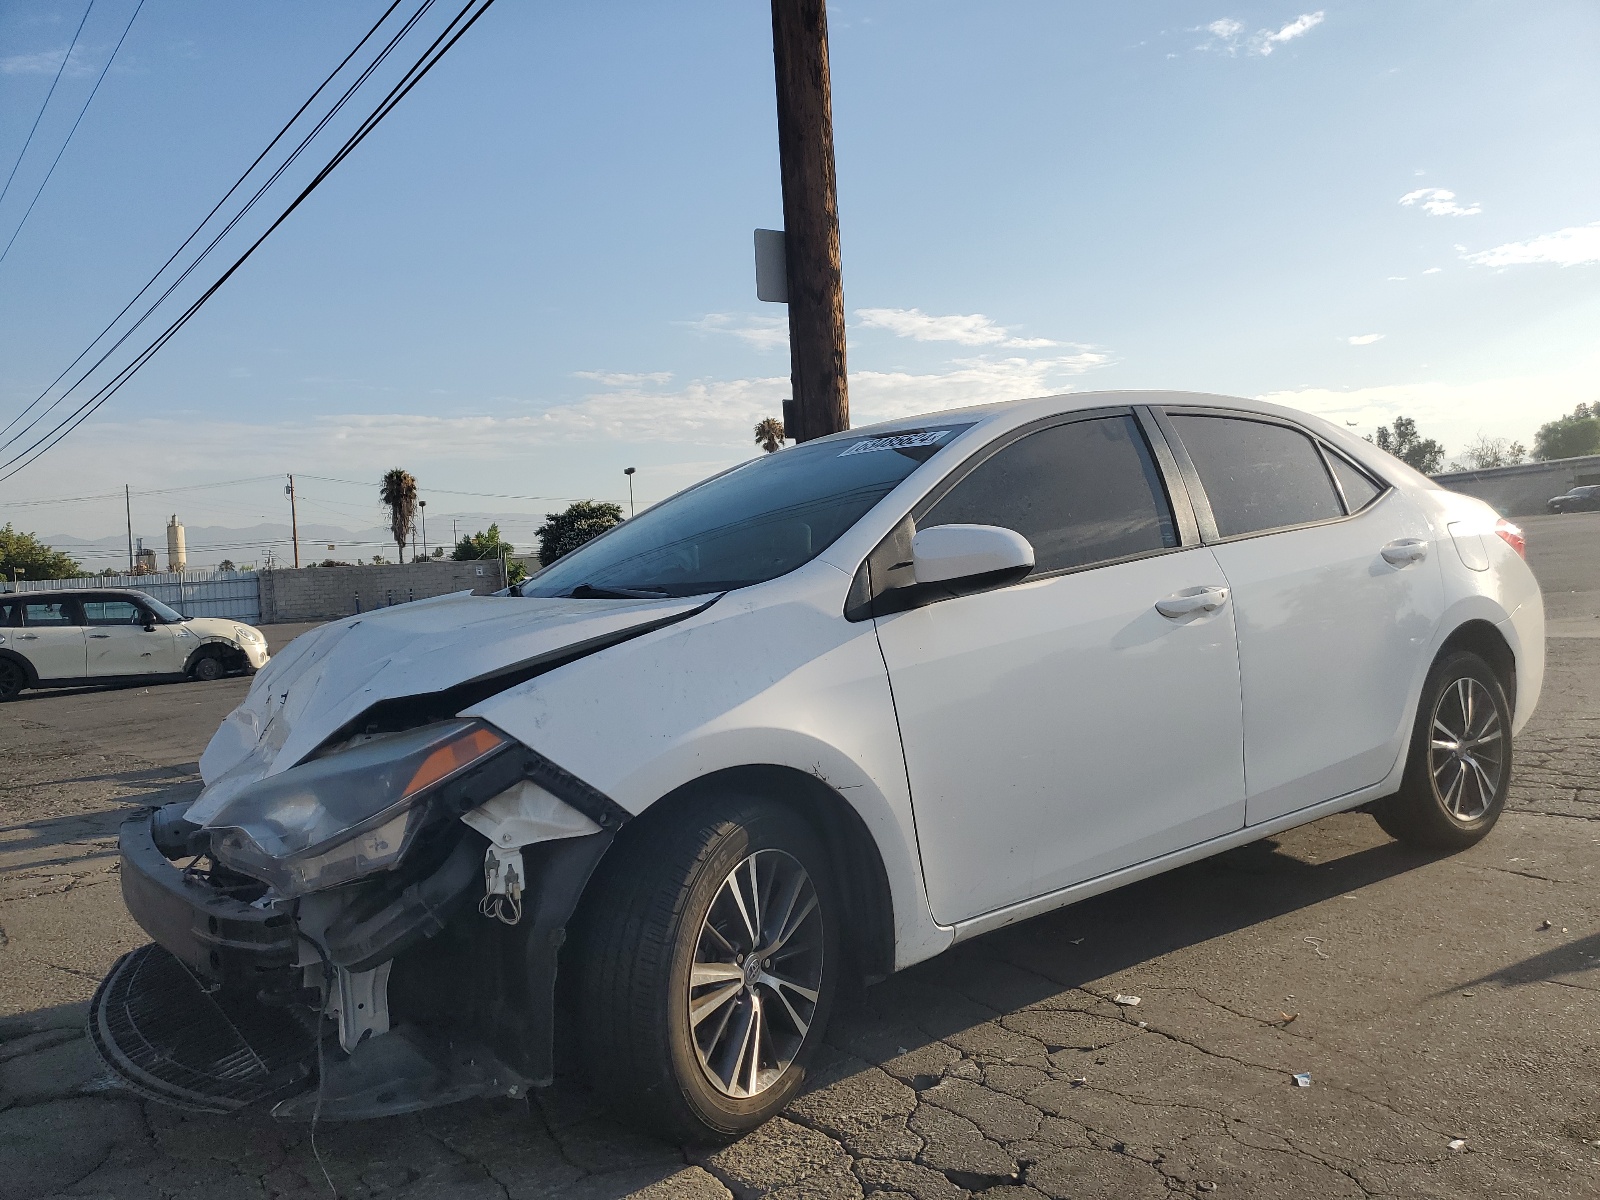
(1022,911)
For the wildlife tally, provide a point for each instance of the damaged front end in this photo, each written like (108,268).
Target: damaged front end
(372,931)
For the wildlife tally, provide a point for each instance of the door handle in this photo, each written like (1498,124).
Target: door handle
(1192,600)
(27,637)
(99,635)
(1404,550)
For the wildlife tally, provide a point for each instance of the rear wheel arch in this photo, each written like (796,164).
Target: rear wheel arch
(1488,643)
(30,676)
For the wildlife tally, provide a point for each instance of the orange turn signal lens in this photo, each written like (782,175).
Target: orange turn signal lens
(452,756)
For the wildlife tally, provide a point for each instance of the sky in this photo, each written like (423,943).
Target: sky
(538,271)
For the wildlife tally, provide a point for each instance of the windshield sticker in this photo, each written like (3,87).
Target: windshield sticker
(898,441)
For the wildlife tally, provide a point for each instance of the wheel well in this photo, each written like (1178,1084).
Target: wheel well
(858,870)
(1489,644)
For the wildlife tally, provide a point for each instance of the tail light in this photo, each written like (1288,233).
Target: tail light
(1511,535)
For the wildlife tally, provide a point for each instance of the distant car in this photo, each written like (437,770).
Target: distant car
(1579,499)
(65,639)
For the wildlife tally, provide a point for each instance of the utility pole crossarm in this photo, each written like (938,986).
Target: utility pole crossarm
(810,218)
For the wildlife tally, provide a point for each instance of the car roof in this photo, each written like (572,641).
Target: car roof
(51,597)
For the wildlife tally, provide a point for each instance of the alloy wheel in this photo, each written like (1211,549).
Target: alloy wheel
(12,679)
(1466,757)
(757,974)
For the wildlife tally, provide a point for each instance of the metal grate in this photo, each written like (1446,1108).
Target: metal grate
(159,1029)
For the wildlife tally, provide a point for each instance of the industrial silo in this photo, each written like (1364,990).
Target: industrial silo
(177,557)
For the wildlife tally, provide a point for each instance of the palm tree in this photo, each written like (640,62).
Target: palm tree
(769,434)
(398,494)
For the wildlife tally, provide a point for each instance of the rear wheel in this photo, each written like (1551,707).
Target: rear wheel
(708,964)
(1459,767)
(13,679)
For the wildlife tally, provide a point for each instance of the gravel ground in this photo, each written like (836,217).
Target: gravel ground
(1445,1009)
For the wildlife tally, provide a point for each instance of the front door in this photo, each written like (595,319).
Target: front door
(51,638)
(1061,728)
(124,640)
(1337,593)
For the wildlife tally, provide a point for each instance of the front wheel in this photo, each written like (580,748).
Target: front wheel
(708,964)
(208,669)
(1459,767)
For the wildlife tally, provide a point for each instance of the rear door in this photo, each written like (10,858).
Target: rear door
(1336,591)
(1061,727)
(124,640)
(51,637)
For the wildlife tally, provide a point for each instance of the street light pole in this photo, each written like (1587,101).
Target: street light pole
(422,507)
(628,471)
(810,218)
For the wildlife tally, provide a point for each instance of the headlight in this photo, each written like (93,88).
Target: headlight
(246,634)
(348,814)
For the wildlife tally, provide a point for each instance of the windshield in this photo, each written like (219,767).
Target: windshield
(747,525)
(166,613)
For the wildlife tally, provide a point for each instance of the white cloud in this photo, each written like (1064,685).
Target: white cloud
(1576,246)
(1439,203)
(1433,270)
(972,329)
(44,62)
(1365,339)
(1227,34)
(1396,279)
(623,378)
(763,333)
(1265,41)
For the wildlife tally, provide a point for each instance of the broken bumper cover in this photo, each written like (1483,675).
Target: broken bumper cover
(214,1017)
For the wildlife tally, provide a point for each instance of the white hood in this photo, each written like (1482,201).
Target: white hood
(332,674)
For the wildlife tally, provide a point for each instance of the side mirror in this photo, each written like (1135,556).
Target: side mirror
(149,625)
(947,552)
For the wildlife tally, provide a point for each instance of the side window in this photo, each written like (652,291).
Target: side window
(48,613)
(10,613)
(1358,488)
(112,612)
(1081,493)
(1258,476)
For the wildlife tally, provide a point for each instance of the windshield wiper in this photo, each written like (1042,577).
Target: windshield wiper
(590,591)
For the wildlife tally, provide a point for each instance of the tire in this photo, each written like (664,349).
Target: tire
(13,679)
(207,668)
(1452,795)
(663,903)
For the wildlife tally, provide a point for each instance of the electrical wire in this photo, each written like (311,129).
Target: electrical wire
(226,229)
(66,58)
(430,57)
(73,130)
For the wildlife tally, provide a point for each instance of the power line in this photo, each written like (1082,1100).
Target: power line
(74,128)
(441,491)
(66,58)
(249,204)
(430,57)
(191,487)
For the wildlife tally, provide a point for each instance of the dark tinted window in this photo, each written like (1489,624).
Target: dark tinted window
(10,613)
(748,525)
(112,612)
(1082,493)
(1257,476)
(49,612)
(1359,490)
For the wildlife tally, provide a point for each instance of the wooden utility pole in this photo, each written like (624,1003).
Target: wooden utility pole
(810,218)
(294,522)
(127,500)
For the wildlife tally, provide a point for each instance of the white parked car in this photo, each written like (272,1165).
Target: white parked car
(813,720)
(69,638)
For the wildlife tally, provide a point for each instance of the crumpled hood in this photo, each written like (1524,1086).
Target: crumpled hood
(328,676)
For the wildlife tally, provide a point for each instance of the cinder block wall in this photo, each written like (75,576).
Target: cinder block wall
(1519,491)
(327,593)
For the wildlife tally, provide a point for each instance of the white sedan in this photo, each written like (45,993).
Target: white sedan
(70,638)
(813,720)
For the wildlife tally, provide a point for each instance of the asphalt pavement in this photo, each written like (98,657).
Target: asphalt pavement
(1445,1009)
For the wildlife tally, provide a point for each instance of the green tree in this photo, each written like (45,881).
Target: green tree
(398,493)
(24,556)
(769,434)
(486,543)
(226,565)
(1405,443)
(1570,437)
(565,531)
(1487,453)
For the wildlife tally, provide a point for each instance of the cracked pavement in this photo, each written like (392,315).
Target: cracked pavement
(1433,1000)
